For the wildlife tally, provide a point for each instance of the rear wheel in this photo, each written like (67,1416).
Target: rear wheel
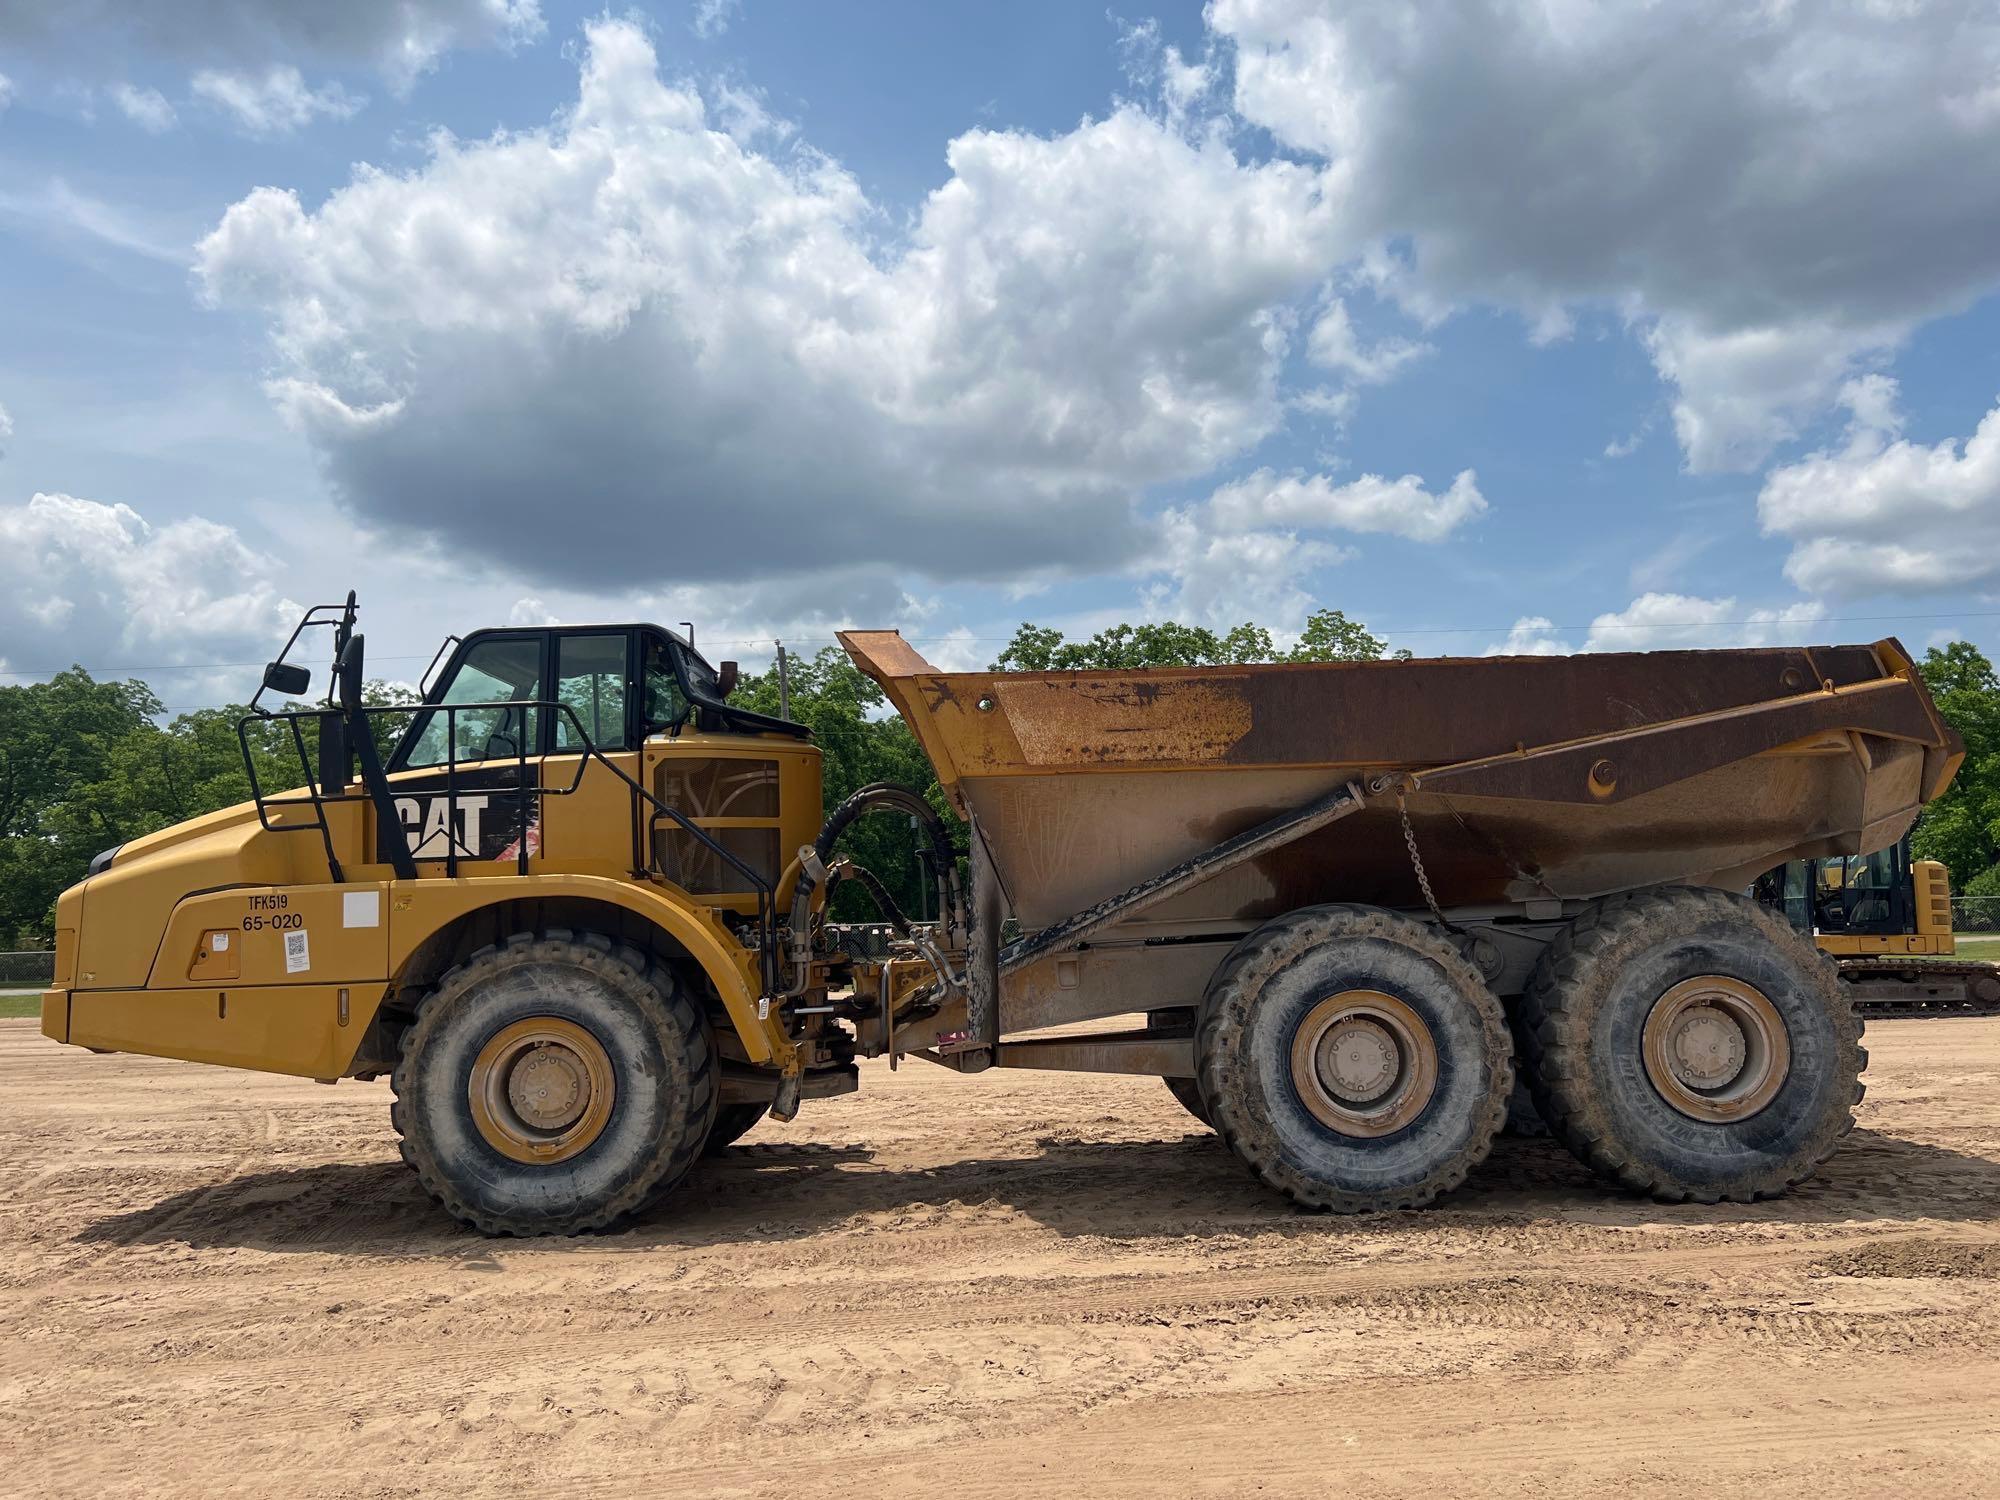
(1353,1058)
(553,1084)
(1688,1043)
(1180,1022)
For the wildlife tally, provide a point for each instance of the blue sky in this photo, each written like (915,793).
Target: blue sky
(1554,326)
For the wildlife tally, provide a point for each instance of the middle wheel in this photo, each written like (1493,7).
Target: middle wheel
(1353,1058)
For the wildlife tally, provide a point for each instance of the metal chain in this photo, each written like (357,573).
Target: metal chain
(1417,863)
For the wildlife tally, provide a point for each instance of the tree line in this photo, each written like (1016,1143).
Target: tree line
(85,764)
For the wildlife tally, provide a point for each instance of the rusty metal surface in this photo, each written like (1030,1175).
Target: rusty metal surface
(1534,777)
(1262,840)
(1109,1052)
(1111,980)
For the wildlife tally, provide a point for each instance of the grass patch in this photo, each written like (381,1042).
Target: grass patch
(21,1005)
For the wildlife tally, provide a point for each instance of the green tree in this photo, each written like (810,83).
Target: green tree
(56,737)
(1328,636)
(85,765)
(861,741)
(1961,829)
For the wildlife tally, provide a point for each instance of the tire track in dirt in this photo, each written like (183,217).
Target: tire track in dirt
(222,1283)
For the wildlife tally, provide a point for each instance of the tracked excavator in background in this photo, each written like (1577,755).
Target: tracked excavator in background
(1885,920)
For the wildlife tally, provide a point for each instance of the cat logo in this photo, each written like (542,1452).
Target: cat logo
(426,820)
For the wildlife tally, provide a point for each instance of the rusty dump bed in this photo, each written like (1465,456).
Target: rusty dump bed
(1527,778)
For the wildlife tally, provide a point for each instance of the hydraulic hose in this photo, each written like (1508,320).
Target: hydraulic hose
(879,894)
(888,794)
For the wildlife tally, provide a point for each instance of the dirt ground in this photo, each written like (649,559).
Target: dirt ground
(215,1282)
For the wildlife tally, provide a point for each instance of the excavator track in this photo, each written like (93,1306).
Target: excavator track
(1887,987)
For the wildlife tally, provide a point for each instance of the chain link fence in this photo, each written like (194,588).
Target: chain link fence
(27,970)
(1975,913)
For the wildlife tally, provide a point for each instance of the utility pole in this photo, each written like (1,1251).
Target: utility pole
(784,685)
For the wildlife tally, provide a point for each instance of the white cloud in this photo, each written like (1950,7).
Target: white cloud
(6,428)
(675,336)
(746,118)
(277,102)
(712,17)
(1718,173)
(1668,622)
(1219,576)
(1334,345)
(1181,85)
(1884,515)
(1400,507)
(1248,552)
(1532,635)
(1660,622)
(399,39)
(530,611)
(65,212)
(95,584)
(1744,391)
(146,108)
(6,91)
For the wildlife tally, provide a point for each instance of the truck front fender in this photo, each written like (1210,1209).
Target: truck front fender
(420,909)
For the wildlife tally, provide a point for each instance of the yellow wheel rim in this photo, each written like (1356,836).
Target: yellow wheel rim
(1716,1048)
(541,1090)
(1364,1063)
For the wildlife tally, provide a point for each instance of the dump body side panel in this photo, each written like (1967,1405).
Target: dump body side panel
(1527,778)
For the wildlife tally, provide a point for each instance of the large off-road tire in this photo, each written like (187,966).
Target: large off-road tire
(556,1083)
(1687,1043)
(732,1123)
(1523,1119)
(1180,1022)
(1353,1058)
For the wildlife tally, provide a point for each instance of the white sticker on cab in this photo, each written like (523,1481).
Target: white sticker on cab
(361,909)
(297,955)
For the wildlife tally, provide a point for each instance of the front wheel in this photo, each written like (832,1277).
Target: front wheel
(1689,1044)
(556,1083)
(1353,1058)
(732,1123)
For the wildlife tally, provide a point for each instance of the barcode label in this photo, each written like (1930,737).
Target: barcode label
(297,955)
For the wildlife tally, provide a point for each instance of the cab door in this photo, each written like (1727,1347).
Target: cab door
(462,779)
(593,828)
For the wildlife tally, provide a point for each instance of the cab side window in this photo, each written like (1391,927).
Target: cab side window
(590,682)
(665,704)
(502,674)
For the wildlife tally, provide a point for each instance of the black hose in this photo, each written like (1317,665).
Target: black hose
(879,893)
(884,794)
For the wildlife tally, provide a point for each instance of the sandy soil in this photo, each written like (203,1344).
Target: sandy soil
(220,1282)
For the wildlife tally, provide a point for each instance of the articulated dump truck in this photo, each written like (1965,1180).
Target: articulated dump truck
(576,911)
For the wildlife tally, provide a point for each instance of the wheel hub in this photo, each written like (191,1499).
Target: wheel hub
(541,1090)
(1364,1063)
(548,1087)
(1716,1049)
(1358,1059)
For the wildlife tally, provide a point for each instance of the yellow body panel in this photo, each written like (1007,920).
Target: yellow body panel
(278,935)
(220,940)
(1858,945)
(293,1028)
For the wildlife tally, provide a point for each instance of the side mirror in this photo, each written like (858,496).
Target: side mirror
(347,673)
(725,679)
(288,678)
